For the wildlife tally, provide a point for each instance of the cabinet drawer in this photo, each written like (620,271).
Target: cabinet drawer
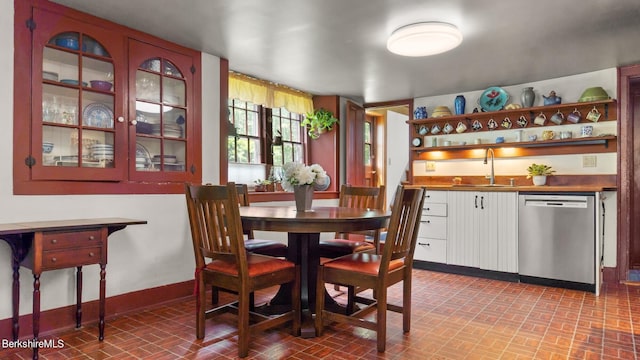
(436,209)
(63,240)
(61,259)
(435,196)
(433,227)
(434,250)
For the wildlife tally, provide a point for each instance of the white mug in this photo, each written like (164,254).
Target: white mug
(461,127)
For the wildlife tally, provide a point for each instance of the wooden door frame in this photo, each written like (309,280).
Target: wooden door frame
(626,75)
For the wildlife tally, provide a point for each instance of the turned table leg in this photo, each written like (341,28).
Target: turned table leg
(15,297)
(103,283)
(36,313)
(78,297)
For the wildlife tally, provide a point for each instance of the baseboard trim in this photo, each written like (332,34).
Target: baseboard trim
(63,318)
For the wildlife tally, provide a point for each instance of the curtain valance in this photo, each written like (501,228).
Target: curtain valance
(268,94)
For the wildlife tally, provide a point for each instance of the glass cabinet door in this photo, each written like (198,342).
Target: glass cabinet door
(76,107)
(162,118)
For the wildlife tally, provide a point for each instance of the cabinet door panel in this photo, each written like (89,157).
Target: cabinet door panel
(462,225)
(434,250)
(77,94)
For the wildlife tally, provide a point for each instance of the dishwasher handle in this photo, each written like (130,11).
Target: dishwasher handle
(557,204)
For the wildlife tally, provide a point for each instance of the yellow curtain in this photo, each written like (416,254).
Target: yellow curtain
(268,94)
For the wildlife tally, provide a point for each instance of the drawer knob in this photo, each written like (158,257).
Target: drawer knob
(54,259)
(91,254)
(428,209)
(54,241)
(424,244)
(91,237)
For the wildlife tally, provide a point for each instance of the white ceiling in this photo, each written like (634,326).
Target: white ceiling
(338,47)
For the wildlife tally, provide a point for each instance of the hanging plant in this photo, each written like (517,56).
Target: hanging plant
(318,122)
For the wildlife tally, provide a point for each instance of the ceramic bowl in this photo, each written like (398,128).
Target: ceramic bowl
(47,147)
(594,94)
(100,85)
(441,111)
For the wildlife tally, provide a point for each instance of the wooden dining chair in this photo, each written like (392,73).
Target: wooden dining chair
(377,271)
(222,261)
(251,244)
(361,197)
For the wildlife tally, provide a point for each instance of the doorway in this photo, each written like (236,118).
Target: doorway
(628,255)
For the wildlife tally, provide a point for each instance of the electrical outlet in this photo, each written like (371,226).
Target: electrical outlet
(589,161)
(430,166)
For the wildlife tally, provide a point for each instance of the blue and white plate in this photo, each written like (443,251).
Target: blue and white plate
(324,186)
(97,115)
(493,99)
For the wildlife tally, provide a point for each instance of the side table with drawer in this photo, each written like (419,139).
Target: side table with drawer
(51,245)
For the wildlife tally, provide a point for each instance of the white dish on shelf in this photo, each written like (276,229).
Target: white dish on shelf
(97,115)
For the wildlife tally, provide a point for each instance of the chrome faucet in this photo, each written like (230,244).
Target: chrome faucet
(492,178)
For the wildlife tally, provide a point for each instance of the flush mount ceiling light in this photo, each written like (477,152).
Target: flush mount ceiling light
(423,39)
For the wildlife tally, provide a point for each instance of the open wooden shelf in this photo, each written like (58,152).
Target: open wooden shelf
(594,140)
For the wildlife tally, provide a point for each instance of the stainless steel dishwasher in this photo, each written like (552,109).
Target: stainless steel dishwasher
(557,239)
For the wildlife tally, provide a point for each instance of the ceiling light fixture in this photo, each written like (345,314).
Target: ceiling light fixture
(423,39)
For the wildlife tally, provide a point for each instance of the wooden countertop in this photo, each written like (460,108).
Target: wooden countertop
(531,188)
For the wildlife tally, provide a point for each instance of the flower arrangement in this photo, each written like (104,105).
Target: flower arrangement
(300,174)
(539,170)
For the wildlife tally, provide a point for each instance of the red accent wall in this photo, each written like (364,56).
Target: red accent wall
(325,150)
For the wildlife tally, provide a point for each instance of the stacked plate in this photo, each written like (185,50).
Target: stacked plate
(170,130)
(102,152)
(168,159)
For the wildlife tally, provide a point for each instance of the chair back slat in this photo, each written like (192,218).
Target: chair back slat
(216,229)
(362,197)
(403,227)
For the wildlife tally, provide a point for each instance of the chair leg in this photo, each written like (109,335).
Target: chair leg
(200,310)
(243,323)
(381,319)
(215,295)
(406,303)
(319,302)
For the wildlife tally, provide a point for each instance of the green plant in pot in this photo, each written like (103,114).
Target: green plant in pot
(539,173)
(318,122)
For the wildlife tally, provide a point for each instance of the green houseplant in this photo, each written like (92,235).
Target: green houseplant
(539,173)
(319,121)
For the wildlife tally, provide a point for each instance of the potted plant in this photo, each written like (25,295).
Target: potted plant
(539,173)
(261,185)
(318,122)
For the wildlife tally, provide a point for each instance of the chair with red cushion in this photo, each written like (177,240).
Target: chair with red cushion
(360,197)
(222,262)
(377,271)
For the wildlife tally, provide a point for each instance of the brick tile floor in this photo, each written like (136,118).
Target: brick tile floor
(453,317)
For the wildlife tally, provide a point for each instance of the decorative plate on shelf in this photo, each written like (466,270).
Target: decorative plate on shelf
(97,115)
(493,99)
(143,156)
(324,186)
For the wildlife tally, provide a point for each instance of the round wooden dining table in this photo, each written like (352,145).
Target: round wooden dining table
(303,229)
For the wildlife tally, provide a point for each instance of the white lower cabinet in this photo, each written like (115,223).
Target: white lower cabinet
(482,230)
(432,236)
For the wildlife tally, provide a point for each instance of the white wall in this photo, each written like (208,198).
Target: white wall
(397,152)
(570,89)
(141,256)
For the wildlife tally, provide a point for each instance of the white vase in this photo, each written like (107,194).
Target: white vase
(303,195)
(539,180)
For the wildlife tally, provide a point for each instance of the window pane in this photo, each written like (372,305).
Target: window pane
(367,154)
(286,131)
(367,132)
(277,155)
(298,156)
(252,124)
(295,133)
(254,148)
(231,149)
(242,150)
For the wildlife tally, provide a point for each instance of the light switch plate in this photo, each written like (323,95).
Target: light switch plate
(430,166)
(589,161)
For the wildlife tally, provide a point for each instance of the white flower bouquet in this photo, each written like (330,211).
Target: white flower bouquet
(300,174)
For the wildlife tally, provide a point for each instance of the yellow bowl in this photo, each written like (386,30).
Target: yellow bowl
(441,111)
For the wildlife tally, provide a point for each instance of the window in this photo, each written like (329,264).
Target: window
(368,143)
(287,125)
(244,147)
(252,155)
